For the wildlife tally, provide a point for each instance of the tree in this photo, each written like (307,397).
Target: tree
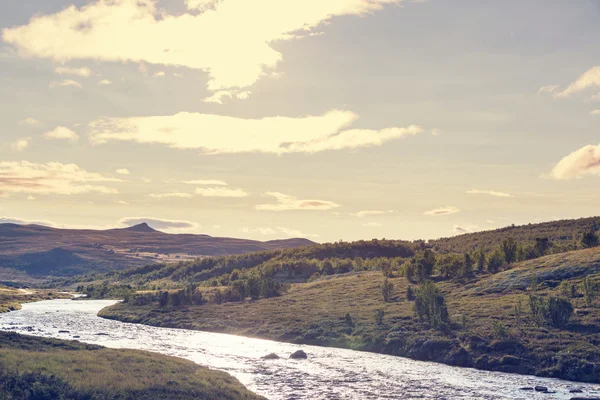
(559,312)
(240,288)
(253,287)
(496,261)
(481,260)
(509,248)
(430,305)
(427,259)
(379,317)
(467,267)
(163,299)
(541,246)
(590,239)
(410,294)
(386,290)
(449,265)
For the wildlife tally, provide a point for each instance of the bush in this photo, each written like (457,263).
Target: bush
(496,261)
(590,239)
(590,291)
(386,290)
(430,305)
(499,330)
(410,294)
(509,248)
(379,317)
(559,312)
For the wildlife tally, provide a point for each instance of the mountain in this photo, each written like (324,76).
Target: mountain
(44,251)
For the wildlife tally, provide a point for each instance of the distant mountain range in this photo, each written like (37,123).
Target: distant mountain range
(44,251)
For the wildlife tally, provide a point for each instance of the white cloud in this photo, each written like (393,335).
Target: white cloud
(219,96)
(220,192)
(286,202)
(461,229)
(582,162)
(595,112)
(50,178)
(21,144)
(29,122)
(20,221)
(170,195)
(208,182)
(370,213)
(30,198)
(436,132)
(216,134)
(105,82)
(292,233)
(159,74)
(442,211)
(165,225)
(61,133)
(372,225)
(123,171)
(490,221)
(83,72)
(111,31)
(547,89)
(590,79)
(66,83)
(490,193)
(245,95)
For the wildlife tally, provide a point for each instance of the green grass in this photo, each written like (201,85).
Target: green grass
(87,370)
(314,313)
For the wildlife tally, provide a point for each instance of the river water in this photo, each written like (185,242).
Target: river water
(327,374)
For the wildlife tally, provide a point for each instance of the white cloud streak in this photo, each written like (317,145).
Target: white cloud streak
(83,72)
(65,83)
(286,202)
(220,192)
(489,193)
(589,79)
(21,144)
(442,211)
(111,31)
(61,133)
(216,134)
(50,178)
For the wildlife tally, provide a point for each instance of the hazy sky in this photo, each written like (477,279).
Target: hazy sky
(329,119)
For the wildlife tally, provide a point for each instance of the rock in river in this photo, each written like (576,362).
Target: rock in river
(299,355)
(271,356)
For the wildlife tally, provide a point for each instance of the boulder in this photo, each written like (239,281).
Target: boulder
(542,389)
(299,355)
(271,356)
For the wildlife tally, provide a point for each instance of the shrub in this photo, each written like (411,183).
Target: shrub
(430,305)
(379,317)
(590,239)
(590,291)
(496,261)
(410,294)
(559,312)
(386,290)
(509,248)
(499,330)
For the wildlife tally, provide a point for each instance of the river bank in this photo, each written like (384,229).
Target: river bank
(328,373)
(341,312)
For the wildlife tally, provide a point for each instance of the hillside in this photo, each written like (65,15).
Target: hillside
(44,251)
(35,368)
(491,324)
(562,233)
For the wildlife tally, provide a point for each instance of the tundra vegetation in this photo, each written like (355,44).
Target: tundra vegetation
(522,304)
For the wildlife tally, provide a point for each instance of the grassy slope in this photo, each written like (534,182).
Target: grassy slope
(11,299)
(111,374)
(315,313)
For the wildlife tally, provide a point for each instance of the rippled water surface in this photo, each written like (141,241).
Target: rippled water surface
(327,374)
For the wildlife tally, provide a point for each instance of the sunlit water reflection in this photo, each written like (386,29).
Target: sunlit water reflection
(327,374)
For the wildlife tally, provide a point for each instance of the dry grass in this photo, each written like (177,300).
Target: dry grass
(315,313)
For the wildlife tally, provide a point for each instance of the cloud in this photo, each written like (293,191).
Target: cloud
(61,133)
(370,213)
(547,89)
(442,211)
(219,96)
(286,202)
(66,83)
(595,112)
(294,233)
(123,171)
(166,225)
(217,134)
(19,221)
(201,182)
(220,192)
(159,74)
(30,198)
(590,79)
(21,144)
(105,82)
(582,162)
(29,122)
(83,72)
(170,195)
(461,229)
(231,40)
(490,193)
(50,178)
(436,132)
(372,225)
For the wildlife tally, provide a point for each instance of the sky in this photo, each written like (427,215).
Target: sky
(325,119)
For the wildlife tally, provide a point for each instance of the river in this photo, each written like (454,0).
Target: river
(327,374)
